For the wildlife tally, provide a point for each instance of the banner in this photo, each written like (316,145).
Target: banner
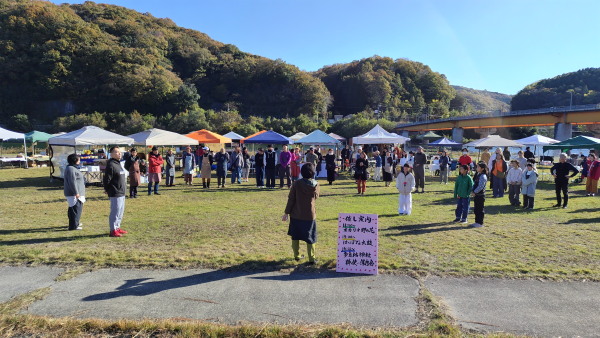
(358,243)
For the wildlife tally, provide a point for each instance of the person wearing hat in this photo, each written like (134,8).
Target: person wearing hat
(155,162)
(419,168)
(205,171)
(188,163)
(132,164)
(405,183)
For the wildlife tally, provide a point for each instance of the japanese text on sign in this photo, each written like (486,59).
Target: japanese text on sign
(357,243)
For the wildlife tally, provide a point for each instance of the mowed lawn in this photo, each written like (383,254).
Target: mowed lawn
(240,227)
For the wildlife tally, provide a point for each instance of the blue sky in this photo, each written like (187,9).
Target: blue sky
(499,46)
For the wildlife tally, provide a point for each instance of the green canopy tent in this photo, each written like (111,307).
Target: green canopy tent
(430,135)
(578,142)
(35,136)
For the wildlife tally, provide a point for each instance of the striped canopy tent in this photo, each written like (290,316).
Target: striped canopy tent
(212,140)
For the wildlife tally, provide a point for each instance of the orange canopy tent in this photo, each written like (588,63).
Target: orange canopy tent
(210,139)
(245,138)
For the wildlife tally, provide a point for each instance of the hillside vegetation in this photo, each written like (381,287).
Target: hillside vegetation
(481,100)
(583,85)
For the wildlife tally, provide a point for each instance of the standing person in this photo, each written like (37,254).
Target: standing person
(561,171)
(490,163)
(514,180)
(485,155)
(320,161)
(311,157)
(499,169)
(270,161)
(361,173)
(301,213)
(378,166)
(285,169)
(74,191)
(444,167)
(462,192)
(132,164)
(388,167)
(236,163)
(330,166)
(478,194)
(205,172)
(529,179)
(345,156)
(506,154)
(528,154)
(591,185)
(465,159)
(405,183)
(198,157)
(222,159)
(114,182)
(296,163)
(155,162)
(522,160)
(259,168)
(419,166)
(188,163)
(246,166)
(170,169)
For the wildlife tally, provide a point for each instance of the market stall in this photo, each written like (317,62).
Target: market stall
(212,140)
(297,136)
(319,138)
(378,135)
(159,137)
(6,135)
(269,137)
(338,137)
(81,142)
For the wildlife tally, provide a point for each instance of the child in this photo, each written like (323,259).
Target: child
(478,194)
(513,178)
(405,183)
(529,182)
(462,191)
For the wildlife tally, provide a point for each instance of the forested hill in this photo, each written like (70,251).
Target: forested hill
(94,57)
(584,85)
(400,88)
(483,100)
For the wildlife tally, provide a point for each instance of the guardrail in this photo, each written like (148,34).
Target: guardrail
(585,107)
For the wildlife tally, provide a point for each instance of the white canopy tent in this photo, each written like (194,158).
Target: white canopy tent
(537,140)
(234,136)
(297,136)
(378,135)
(493,141)
(159,137)
(63,145)
(6,134)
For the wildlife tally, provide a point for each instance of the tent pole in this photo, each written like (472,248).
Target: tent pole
(25,146)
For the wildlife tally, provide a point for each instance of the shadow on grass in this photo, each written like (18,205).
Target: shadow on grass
(147,286)
(32,230)
(49,240)
(421,229)
(38,182)
(583,221)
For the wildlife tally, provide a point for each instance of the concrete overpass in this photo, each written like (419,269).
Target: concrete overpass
(562,118)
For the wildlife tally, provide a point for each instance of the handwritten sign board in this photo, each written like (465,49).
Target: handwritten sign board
(357,243)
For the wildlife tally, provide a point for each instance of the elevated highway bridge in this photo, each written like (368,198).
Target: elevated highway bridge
(562,118)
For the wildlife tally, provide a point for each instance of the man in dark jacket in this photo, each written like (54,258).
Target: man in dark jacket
(561,171)
(419,168)
(114,186)
(270,161)
(345,156)
(259,168)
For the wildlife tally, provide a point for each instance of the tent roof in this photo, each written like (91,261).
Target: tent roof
(493,141)
(90,135)
(37,136)
(445,142)
(318,137)
(297,136)
(234,136)
(247,137)
(207,136)
(537,140)
(337,137)
(159,137)
(6,134)
(579,142)
(430,134)
(269,137)
(378,135)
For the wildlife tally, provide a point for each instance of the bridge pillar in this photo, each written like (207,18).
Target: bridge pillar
(457,134)
(404,133)
(563,131)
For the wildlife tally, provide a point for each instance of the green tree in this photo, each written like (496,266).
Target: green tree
(20,123)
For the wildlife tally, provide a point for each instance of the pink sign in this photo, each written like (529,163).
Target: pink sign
(357,243)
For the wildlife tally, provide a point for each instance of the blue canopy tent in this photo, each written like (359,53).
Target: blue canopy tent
(318,137)
(269,137)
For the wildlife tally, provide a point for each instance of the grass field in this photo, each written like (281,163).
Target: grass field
(240,228)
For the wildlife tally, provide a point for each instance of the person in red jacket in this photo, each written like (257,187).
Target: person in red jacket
(591,185)
(155,162)
(465,159)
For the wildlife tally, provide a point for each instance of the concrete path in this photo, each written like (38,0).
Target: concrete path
(489,305)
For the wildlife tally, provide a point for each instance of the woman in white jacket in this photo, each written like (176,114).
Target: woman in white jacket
(529,178)
(405,183)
